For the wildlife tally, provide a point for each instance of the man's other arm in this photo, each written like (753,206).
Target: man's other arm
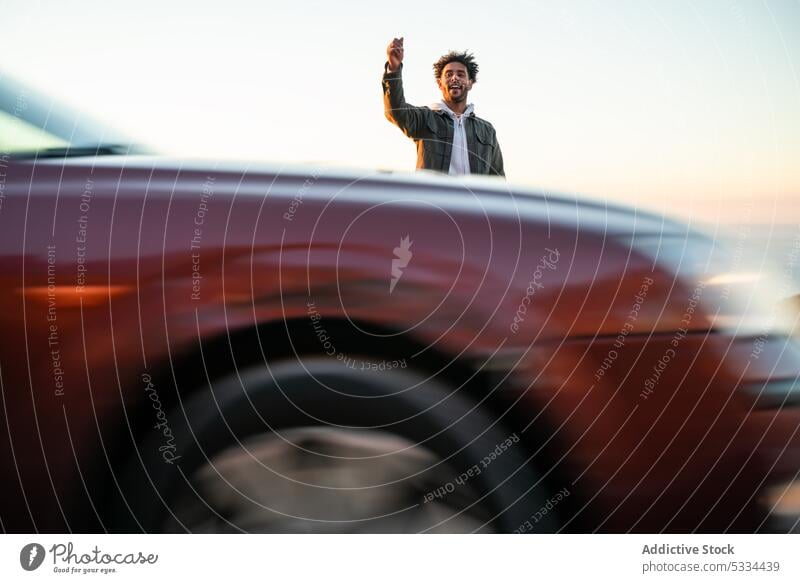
(496,166)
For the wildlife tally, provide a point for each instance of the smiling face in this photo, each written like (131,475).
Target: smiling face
(454,82)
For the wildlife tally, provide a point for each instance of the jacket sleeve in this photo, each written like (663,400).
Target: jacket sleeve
(496,167)
(408,118)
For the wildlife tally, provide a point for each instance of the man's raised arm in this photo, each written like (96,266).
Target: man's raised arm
(408,118)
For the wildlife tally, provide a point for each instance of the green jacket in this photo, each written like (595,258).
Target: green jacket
(432,131)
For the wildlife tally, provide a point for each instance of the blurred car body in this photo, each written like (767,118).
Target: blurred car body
(636,370)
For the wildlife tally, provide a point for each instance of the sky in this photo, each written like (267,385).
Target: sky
(681,104)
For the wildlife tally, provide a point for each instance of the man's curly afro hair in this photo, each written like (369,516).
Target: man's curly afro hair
(465,58)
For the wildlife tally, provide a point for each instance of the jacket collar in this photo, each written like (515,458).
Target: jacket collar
(441,107)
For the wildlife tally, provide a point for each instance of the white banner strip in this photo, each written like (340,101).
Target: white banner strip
(401,558)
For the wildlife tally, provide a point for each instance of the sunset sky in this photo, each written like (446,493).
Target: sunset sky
(637,100)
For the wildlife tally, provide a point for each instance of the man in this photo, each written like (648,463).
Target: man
(449,136)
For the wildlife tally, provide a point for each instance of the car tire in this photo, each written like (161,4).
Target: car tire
(475,465)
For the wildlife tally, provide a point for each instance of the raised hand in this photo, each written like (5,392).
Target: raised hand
(394,52)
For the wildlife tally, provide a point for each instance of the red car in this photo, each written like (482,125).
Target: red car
(208,346)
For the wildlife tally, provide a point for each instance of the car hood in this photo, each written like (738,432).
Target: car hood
(487,194)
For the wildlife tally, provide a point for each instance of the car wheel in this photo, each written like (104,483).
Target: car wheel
(313,445)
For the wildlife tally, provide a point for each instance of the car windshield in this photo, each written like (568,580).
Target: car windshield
(34,126)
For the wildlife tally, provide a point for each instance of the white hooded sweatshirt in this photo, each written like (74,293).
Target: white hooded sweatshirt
(459,160)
